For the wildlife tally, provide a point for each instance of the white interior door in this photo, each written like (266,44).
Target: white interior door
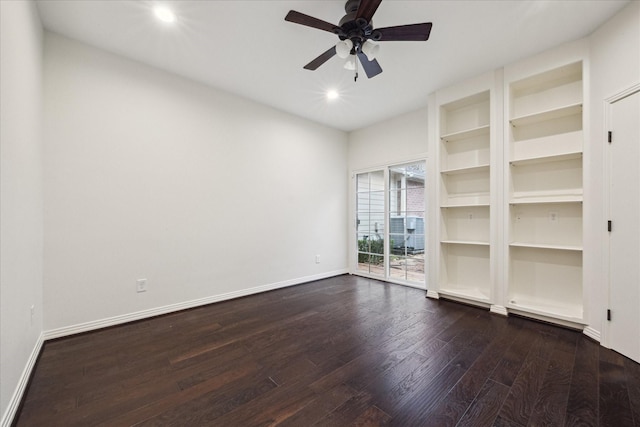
(624,244)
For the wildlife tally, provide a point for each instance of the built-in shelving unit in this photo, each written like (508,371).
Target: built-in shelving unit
(544,173)
(464,148)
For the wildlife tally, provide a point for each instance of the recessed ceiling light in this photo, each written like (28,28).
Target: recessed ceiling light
(332,94)
(164,14)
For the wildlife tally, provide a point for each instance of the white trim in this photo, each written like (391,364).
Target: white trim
(14,402)
(420,286)
(125,318)
(419,157)
(592,333)
(623,94)
(432,294)
(548,319)
(498,309)
(392,281)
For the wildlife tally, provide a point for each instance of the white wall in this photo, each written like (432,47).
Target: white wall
(615,66)
(395,140)
(20,197)
(205,194)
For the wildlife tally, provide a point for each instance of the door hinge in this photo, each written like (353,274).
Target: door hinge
(609,226)
(608,314)
(609,136)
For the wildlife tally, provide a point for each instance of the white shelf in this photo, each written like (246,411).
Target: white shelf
(547,158)
(463,205)
(555,113)
(469,205)
(465,134)
(470,169)
(463,200)
(464,242)
(460,291)
(570,313)
(546,246)
(557,198)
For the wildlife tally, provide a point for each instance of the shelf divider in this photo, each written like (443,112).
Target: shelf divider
(555,113)
(546,246)
(467,133)
(470,169)
(464,242)
(547,158)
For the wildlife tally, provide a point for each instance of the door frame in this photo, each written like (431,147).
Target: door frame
(608,106)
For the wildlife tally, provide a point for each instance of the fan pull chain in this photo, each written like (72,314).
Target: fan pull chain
(355,78)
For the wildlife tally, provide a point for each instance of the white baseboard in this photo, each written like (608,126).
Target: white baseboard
(130,317)
(432,294)
(592,333)
(23,382)
(498,309)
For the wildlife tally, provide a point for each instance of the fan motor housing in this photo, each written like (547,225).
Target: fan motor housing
(351,6)
(357,30)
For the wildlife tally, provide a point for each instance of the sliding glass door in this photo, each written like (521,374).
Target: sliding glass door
(390,223)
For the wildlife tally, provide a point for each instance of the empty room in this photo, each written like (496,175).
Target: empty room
(320,213)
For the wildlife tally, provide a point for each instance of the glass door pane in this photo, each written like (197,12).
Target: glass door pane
(407,222)
(370,222)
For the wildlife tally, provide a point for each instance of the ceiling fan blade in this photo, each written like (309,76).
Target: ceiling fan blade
(367,8)
(313,65)
(310,21)
(411,32)
(371,68)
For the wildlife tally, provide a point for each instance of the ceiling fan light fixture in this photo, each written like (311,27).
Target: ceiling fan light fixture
(350,64)
(370,49)
(343,48)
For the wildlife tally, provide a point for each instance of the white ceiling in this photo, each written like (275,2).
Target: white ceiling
(246,47)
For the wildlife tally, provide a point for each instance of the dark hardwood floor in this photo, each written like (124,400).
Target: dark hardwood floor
(337,352)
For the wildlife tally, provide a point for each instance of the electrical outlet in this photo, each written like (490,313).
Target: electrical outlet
(141,285)
(470,216)
(553,217)
(317,259)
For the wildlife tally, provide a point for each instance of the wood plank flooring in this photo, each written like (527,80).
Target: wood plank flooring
(345,351)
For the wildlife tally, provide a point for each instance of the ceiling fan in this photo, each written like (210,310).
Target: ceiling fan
(357,34)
